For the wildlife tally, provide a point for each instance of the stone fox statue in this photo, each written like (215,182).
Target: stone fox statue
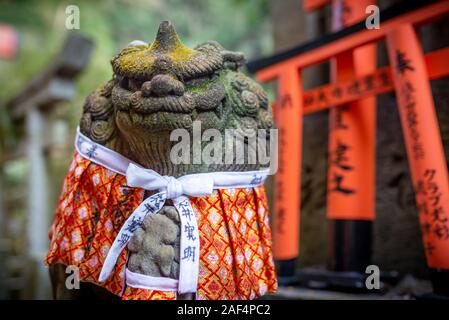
(131,223)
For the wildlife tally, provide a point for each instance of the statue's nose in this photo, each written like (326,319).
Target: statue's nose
(162,85)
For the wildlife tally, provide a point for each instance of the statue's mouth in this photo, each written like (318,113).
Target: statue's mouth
(165,99)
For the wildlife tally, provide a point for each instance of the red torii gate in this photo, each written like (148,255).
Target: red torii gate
(409,76)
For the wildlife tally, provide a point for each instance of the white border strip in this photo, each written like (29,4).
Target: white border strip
(141,281)
(114,161)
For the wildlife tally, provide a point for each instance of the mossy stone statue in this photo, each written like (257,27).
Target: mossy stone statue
(155,89)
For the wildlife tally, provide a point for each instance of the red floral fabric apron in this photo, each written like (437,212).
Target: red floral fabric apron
(236,259)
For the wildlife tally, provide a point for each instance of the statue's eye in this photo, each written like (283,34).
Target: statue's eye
(134,85)
(196,83)
(124,83)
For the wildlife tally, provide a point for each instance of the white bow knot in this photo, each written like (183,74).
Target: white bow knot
(174,188)
(189,185)
(169,188)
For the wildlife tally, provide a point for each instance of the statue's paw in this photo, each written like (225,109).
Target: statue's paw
(154,247)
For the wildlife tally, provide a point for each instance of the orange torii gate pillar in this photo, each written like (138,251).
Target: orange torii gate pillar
(351,168)
(424,150)
(289,116)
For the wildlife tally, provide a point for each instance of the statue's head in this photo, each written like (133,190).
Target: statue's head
(163,86)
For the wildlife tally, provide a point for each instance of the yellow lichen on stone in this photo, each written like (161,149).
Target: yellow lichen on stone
(181,54)
(166,52)
(135,61)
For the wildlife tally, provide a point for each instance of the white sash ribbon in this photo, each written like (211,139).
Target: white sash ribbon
(176,189)
(170,188)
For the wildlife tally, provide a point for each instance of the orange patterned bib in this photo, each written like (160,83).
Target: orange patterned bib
(235,239)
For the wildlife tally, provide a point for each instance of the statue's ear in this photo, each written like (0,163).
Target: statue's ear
(232,59)
(209,45)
